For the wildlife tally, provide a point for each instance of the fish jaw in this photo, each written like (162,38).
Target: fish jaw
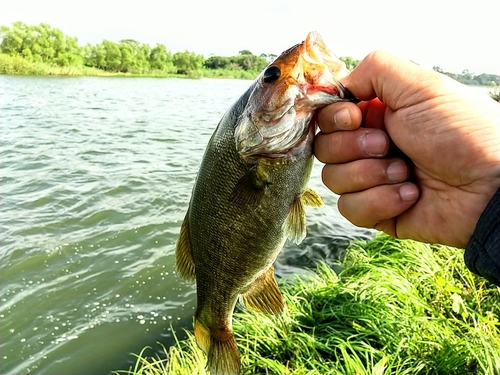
(278,114)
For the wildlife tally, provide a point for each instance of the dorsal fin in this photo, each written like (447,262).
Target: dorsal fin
(183,255)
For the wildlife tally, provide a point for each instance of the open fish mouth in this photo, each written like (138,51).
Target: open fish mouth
(278,114)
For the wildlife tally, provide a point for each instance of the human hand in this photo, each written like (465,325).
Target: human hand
(450,138)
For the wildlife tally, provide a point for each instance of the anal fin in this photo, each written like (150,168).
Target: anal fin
(183,256)
(264,294)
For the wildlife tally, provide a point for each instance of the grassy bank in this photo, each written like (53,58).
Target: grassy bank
(16,65)
(398,307)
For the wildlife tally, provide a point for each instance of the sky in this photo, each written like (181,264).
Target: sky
(454,35)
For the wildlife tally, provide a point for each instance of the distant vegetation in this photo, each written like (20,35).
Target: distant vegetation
(469,78)
(44,50)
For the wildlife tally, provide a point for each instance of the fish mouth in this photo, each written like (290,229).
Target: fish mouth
(278,116)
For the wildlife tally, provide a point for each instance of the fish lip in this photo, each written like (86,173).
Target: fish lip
(346,94)
(315,76)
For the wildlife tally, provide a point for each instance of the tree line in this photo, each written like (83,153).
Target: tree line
(469,78)
(43,43)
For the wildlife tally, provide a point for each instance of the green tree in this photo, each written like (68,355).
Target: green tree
(186,62)
(113,56)
(249,62)
(95,56)
(270,57)
(40,43)
(245,52)
(217,62)
(13,38)
(487,79)
(128,57)
(160,58)
(466,74)
(143,58)
(350,63)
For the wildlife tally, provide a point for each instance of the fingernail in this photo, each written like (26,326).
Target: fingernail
(396,171)
(374,143)
(408,193)
(342,118)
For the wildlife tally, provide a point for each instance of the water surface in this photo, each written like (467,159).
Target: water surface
(96,175)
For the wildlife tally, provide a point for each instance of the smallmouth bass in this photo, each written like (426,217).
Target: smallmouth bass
(250,194)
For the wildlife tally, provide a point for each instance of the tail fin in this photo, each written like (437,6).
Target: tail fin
(221,349)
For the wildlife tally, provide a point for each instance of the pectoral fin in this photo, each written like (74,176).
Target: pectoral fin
(295,223)
(251,187)
(264,295)
(183,254)
(311,198)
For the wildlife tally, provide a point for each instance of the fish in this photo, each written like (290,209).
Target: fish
(250,193)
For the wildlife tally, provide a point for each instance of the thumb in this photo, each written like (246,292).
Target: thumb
(395,81)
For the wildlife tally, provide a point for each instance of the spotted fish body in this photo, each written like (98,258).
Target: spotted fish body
(250,194)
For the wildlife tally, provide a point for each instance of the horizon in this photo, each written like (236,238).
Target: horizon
(220,28)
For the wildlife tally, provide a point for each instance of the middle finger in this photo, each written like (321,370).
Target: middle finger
(350,145)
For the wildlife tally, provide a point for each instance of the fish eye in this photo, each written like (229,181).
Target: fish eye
(272,74)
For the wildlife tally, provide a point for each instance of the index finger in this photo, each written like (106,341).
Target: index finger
(339,116)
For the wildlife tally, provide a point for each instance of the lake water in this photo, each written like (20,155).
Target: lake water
(96,175)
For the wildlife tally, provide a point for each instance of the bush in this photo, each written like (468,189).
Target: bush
(495,94)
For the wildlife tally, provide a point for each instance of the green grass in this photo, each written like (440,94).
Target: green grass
(20,66)
(398,307)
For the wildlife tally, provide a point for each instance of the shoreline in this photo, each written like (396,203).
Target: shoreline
(19,66)
(16,65)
